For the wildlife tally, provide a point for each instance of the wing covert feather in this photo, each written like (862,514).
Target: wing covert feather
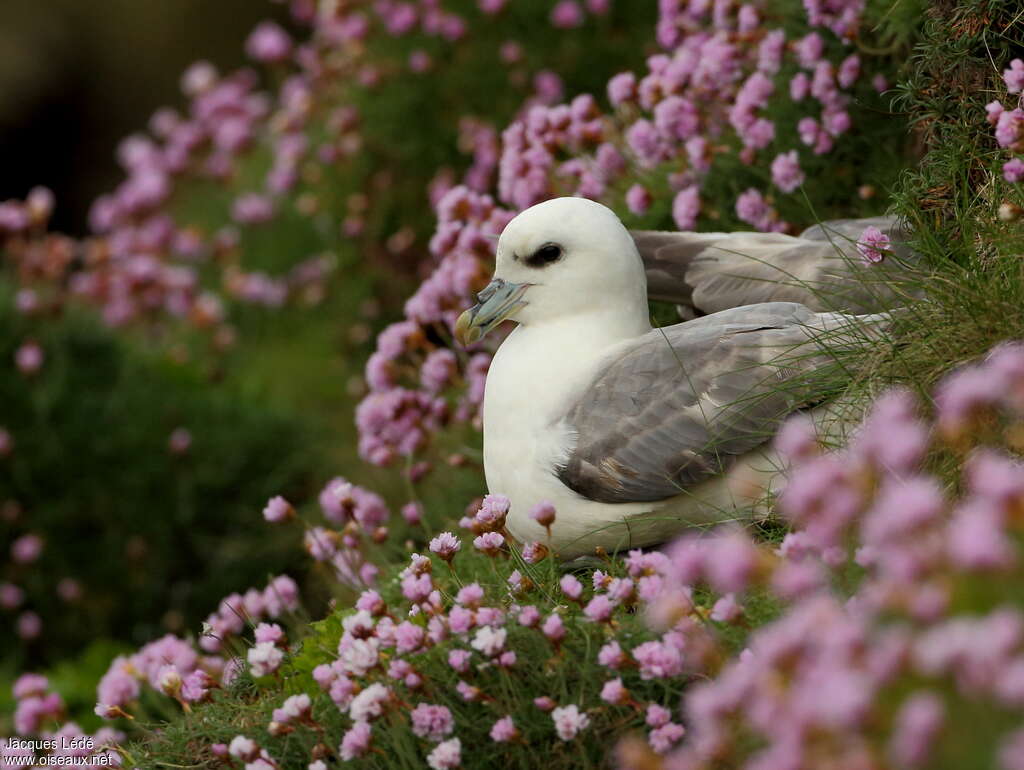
(684,401)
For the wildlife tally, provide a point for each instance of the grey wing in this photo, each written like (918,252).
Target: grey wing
(820,268)
(684,401)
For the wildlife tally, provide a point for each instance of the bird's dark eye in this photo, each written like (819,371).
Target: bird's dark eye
(545,255)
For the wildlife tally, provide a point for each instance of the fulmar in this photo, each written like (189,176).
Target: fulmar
(626,429)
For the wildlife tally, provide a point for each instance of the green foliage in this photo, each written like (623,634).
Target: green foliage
(138,526)
(567,673)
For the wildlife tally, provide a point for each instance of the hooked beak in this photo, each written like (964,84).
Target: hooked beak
(497,302)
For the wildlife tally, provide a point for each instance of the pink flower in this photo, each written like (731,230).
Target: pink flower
(492,513)
(657,715)
(1010,128)
(26,549)
(408,637)
(544,703)
(412,513)
(873,245)
(416,588)
(554,628)
(569,721)
(1014,77)
(752,208)
(686,207)
(278,509)
(11,596)
(543,513)
(663,738)
(431,722)
(566,14)
(976,538)
(786,173)
(195,688)
(622,88)
(658,660)
(469,693)
(614,692)
(356,742)
(638,199)
(243,748)
(1013,170)
(460,620)
(612,656)
(252,209)
(599,609)
(28,685)
(269,632)
(264,658)
(726,609)
(445,545)
(268,43)
(534,552)
(371,601)
(571,587)
(369,703)
(529,616)
(460,660)
(489,641)
(179,441)
(29,358)
(917,725)
(489,543)
(470,595)
(504,730)
(446,755)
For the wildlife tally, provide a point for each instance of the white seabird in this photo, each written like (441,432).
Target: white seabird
(627,429)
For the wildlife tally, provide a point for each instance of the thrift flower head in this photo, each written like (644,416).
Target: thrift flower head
(614,692)
(446,755)
(370,703)
(356,742)
(543,513)
(489,543)
(1013,170)
(245,749)
(445,545)
(492,513)
(268,43)
(264,658)
(872,245)
(489,641)
(431,722)
(786,173)
(569,721)
(1014,77)
(277,510)
(571,587)
(504,730)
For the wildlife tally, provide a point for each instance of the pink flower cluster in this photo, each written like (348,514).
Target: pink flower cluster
(1009,123)
(852,672)
(180,670)
(46,737)
(408,371)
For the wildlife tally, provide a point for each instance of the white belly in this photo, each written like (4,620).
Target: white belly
(529,389)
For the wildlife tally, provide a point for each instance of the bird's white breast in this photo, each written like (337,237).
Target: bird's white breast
(535,377)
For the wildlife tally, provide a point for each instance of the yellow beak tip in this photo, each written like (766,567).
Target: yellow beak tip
(465,333)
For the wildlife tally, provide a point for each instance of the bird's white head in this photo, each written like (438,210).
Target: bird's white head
(564,257)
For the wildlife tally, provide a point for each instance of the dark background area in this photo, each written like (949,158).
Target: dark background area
(76,76)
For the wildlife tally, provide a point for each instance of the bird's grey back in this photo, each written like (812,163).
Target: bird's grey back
(681,403)
(821,269)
